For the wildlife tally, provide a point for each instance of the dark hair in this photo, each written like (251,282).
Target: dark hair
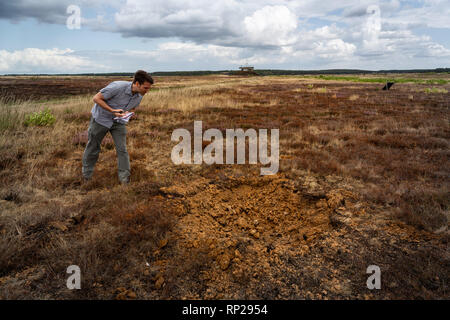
(141,76)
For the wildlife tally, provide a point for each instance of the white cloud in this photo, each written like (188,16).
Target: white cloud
(201,34)
(200,19)
(181,51)
(271,25)
(334,49)
(325,32)
(434,50)
(43,61)
(433,14)
(223,22)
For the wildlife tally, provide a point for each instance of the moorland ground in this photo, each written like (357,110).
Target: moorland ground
(363,180)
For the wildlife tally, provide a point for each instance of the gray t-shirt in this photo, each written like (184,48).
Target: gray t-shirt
(118,95)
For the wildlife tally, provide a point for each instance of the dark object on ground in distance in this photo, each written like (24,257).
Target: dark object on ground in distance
(388,85)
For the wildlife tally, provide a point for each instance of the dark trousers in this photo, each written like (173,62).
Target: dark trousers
(96,133)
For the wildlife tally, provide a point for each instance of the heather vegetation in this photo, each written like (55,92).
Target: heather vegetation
(363,180)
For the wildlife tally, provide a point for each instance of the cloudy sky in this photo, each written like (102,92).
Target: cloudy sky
(73,36)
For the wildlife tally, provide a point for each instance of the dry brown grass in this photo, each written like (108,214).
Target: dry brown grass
(391,151)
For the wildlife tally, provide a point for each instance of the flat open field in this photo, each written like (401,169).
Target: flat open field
(43,88)
(363,180)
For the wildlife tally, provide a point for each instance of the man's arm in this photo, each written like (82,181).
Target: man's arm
(100,100)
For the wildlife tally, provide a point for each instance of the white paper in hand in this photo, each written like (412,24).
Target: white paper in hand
(125,118)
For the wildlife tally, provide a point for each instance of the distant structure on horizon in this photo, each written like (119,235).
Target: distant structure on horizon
(245,71)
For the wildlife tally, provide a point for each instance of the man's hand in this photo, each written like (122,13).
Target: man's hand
(118,112)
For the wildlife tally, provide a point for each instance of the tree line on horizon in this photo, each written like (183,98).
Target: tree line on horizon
(261,72)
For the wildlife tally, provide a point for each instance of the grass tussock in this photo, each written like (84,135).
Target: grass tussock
(424,209)
(10,118)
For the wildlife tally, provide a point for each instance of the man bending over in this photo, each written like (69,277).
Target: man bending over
(114,101)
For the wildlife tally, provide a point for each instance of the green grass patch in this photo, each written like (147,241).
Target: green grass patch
(42,118)
(383,80)
(435,90)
